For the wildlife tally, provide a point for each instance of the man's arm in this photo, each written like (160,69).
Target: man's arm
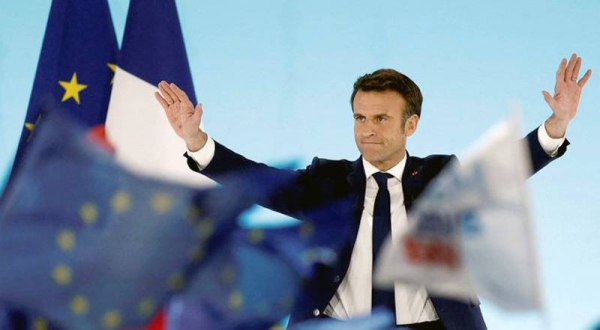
(218,162)
(567,93)
(549,142)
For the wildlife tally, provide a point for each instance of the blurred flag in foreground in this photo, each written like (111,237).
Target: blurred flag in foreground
(152,50)
(254,285)
(470,233)
(91,246)
(257,273)
(75,68)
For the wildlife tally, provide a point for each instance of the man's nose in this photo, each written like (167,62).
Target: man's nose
(369,130)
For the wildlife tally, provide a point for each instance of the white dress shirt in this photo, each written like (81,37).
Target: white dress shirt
(353,297)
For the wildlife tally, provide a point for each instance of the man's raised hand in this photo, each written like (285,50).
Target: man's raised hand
(183,117)
(567,93)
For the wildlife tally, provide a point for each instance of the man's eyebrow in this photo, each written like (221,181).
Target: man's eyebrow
(374,115)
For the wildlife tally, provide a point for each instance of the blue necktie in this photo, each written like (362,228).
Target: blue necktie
(382,228)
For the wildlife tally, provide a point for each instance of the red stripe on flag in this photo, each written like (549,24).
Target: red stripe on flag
(159,322)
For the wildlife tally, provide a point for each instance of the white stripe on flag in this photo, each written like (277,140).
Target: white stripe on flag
(139,130)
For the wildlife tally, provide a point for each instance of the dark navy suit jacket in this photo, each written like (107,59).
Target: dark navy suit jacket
(325,181)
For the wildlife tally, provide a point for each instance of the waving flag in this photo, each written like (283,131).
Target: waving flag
(471,231)
(252,280)
(246,285)
(76,66)
(91,246)
(152,50)
(111,248)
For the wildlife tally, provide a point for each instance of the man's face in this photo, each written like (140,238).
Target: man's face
(378,127)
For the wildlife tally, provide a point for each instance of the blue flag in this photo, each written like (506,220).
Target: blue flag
(76,66)
(153,48)
(246,285)
(91,246)
(252,281)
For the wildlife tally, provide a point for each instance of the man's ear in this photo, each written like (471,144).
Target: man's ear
(410,126)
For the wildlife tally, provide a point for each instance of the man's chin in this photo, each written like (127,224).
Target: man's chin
(369,158)
(370,151)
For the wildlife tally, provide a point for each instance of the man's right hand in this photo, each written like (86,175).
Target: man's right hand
(182,116)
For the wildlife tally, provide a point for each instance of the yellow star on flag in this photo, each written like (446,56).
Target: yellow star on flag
(80,305)
(62,274)
(40,324)
(236,300)
(72,88)
(146,307)
(66,240)
(111,320)
(113,67)
(176,281)
(89,213)
(30,126)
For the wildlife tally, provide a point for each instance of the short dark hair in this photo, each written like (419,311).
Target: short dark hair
(389,79)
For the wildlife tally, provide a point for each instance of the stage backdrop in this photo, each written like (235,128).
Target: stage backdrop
(275,79)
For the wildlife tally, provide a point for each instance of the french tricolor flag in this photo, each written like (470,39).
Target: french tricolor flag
(152,50)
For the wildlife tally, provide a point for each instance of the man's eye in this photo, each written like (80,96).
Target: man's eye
(359,119)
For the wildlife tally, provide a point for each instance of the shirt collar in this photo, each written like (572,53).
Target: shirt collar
(395,171)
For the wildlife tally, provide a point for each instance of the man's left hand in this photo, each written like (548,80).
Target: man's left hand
(567,93)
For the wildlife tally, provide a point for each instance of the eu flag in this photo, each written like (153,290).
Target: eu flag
(252,280)
(76,66)
(90,245)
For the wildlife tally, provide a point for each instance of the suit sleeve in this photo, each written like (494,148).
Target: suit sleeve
(539,157)
(287,198)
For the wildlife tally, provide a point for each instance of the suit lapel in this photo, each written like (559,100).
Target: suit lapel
(357,185)
(412,181)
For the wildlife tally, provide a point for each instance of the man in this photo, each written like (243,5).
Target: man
(384,182)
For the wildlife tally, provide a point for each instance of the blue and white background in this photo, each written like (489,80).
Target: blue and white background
(275,79)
